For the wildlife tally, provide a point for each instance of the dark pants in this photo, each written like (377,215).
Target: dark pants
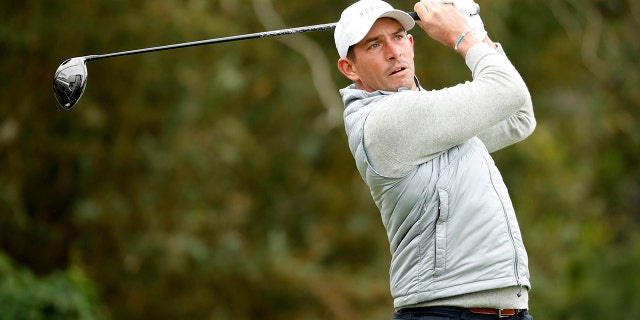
(450,313)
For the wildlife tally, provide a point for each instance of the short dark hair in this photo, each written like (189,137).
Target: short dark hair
(351,54)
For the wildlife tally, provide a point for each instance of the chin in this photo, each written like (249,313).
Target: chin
(410,85)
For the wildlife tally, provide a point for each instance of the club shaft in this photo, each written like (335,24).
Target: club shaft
(266,34)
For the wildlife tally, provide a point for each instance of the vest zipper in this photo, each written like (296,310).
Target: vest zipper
(510,230)
(515,252)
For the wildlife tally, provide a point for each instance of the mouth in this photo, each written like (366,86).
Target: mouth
(398,70)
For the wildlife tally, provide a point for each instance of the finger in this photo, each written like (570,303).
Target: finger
(421,10)
(428,4)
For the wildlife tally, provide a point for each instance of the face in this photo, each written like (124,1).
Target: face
(383,59)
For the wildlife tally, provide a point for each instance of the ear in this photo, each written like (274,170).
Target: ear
(410,37)
(346,67)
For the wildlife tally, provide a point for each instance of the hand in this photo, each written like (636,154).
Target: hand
(443,23)
(471,11)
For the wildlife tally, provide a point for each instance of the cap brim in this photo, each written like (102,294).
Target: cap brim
(402,17)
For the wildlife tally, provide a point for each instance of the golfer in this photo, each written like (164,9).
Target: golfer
(456,247)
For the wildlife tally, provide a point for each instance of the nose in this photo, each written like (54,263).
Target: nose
(393,51)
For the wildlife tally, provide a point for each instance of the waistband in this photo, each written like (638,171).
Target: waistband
(466,313)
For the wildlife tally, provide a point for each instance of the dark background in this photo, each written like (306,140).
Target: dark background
(216,183)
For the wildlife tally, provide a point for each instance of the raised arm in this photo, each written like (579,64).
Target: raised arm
(512,130)
(411,127)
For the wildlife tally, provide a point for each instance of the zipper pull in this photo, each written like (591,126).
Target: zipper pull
(520,292)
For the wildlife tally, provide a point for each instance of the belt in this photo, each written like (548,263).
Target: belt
(501,313)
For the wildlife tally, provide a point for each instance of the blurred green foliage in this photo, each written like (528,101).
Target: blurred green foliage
(214,183)
(60,295)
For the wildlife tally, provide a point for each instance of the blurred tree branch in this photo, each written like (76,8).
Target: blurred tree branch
(318,62)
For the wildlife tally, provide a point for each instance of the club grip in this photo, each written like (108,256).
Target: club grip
(414,16)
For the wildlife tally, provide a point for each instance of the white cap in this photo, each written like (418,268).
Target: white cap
(356,21)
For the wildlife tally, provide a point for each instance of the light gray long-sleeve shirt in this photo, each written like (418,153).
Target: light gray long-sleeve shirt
(405,130)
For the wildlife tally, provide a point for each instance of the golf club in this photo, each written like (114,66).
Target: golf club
(70,78)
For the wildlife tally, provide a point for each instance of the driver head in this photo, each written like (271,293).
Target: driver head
(69,82)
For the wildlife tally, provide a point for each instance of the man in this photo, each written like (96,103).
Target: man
(457,251)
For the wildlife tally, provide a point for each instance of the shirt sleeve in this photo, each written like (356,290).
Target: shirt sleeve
(512,130)
(408,128)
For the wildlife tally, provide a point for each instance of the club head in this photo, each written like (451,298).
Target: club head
(69,81)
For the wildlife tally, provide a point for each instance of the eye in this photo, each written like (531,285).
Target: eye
(374,46)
